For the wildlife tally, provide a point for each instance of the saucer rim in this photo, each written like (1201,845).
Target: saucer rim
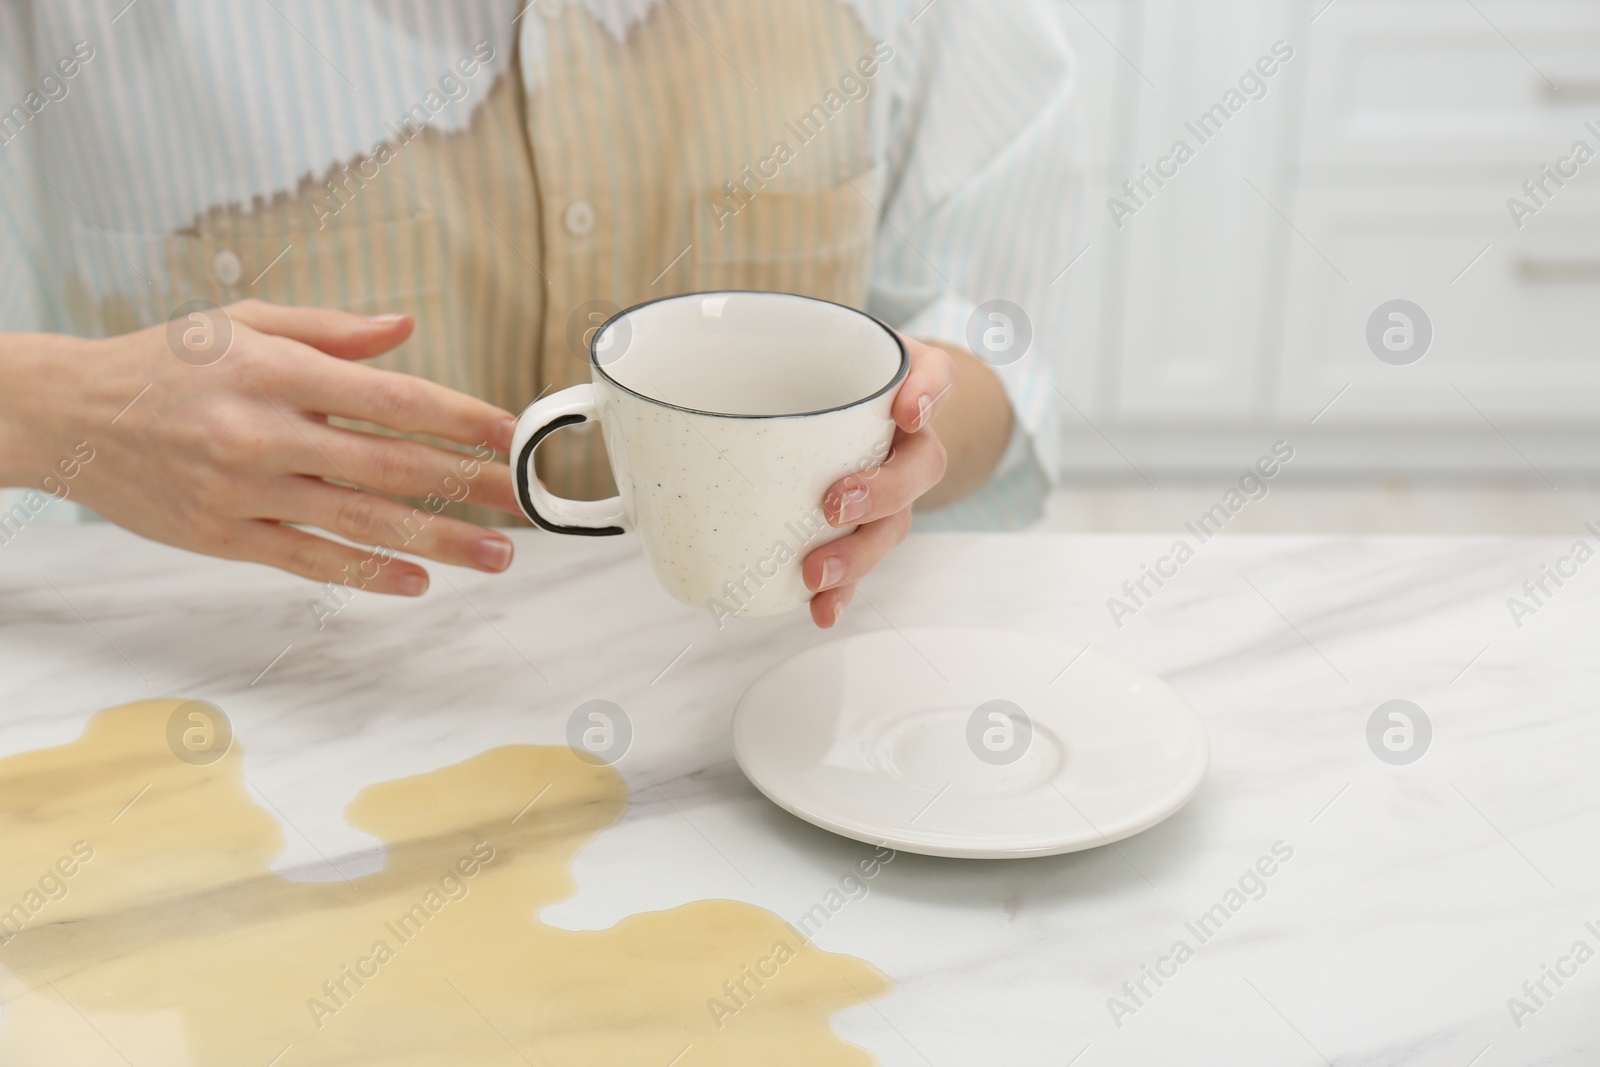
(941,845)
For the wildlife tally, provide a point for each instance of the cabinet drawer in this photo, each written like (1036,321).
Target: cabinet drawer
(1449,83)
(1517,333)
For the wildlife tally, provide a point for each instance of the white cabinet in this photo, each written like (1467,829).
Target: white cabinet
(1440,84)
(1102,31)
(1206,242)
(1515,317)
(1233,304)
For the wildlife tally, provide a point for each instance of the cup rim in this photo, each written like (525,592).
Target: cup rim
(894,382)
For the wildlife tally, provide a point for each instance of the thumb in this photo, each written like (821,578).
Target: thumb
(337,333)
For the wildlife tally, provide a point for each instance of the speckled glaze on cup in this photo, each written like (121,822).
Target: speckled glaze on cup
(726,416)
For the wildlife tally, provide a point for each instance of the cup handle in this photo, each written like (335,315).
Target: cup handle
(584,518)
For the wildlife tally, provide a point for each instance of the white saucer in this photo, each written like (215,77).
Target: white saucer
(874,737)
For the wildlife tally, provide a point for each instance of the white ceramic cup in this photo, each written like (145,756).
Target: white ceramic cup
(726,417)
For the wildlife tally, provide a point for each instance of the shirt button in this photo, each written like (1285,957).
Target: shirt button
(579,218)
(227,267)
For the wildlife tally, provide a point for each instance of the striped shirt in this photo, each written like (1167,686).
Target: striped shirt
(506,173)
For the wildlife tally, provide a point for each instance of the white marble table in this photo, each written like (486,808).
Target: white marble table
(1418,898)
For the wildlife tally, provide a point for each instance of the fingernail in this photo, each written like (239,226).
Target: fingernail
(384,320)
(494,554)
(411,584)
(852,507)
(506,434)
(927,408)
(838,611)
(832,573)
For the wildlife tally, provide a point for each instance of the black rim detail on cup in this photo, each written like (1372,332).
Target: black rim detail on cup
(520,470)
(893,383)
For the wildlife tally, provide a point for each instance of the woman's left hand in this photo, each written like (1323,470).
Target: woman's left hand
(878,501)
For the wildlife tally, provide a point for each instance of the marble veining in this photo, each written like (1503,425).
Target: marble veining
(1418,901)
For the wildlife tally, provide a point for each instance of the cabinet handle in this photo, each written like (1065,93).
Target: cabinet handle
(1571,91)
(1576,269)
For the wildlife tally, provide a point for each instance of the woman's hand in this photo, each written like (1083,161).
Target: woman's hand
(221,458)
(879,501)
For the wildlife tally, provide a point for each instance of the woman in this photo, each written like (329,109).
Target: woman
(412,215)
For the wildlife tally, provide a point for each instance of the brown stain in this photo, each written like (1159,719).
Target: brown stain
(171,942)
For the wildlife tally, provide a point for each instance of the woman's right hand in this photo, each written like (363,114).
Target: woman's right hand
(222,458)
